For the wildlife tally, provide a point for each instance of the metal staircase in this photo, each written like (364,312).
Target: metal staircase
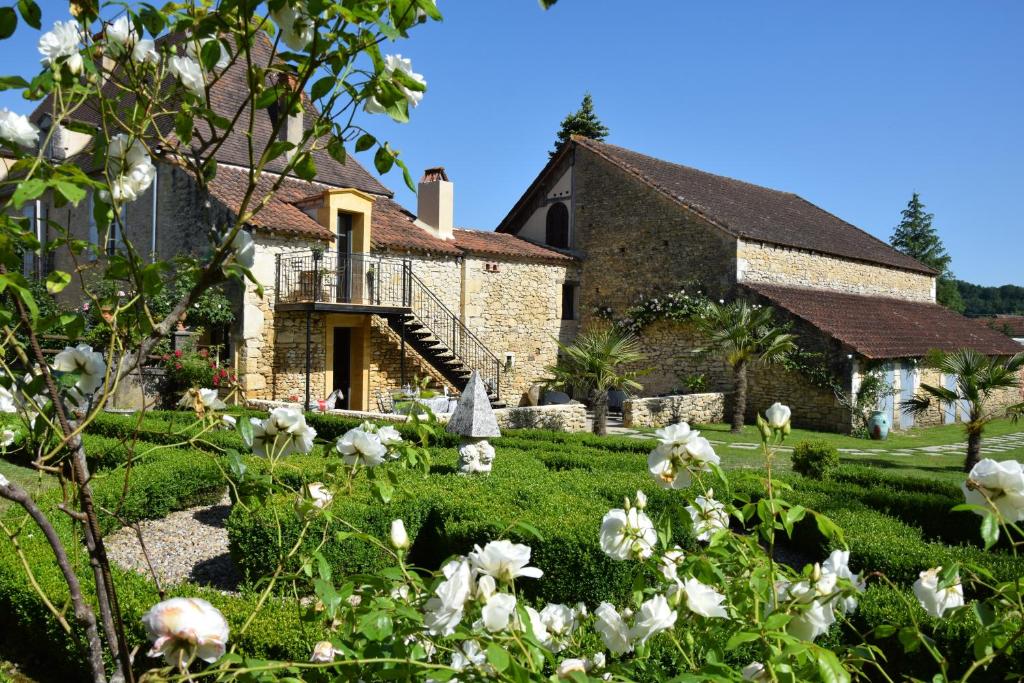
(319,281)
(441,338)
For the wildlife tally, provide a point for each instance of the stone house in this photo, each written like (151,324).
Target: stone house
(361,295)
(641,227)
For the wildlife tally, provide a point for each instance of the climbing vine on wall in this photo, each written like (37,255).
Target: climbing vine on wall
(679,306)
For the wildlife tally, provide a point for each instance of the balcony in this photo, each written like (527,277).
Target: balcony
(314,280)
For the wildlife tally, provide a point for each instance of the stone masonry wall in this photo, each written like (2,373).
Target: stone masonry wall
(570,417)
(638,243)
(272,348)
(671,355)
(813,407)
(515,307)
(386,362)
(772,264)
(658,412)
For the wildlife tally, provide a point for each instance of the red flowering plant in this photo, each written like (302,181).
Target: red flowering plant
(186,369)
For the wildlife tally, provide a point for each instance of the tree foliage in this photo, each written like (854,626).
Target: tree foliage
(915,236)
(982,300)
(583,121)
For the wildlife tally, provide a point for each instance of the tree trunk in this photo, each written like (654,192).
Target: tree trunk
(973,450)
(739,397)
(600,413)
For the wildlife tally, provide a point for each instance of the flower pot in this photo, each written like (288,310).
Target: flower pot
(878,426)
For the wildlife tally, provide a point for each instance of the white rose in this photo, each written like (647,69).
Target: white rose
(444,610)
(755,671)
(130,168)
(4,481)
(145,52)
(997,483)
(244,249)
(937,602)
(704,600)
(567,667)
(641,500)
(399,537)
(323,651)
(88,364)
(837,565)
(626,534)
(672,465)
(670,562)
(614,632)
(188,71)
(122,32)
(674,435)
(778,415)
(470,655)
(320,495)
(295,24)
(228,421)
(284,432)
(185,627)
(62,41)
(486,586)
(558,619)
(498,611)
(389,436)
(654,616)
(7,402)
(358,446)
(7,437)
(708,516)
(504,560)
(599,660)
(17,129)
(211,399)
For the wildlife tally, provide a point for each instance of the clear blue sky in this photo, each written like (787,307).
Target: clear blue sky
(851,105)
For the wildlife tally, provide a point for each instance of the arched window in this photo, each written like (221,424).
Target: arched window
(557,233)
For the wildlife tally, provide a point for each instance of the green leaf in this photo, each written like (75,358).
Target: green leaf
(322,87)
(830,669)
(990,530)
(73,324)
(183,126)
(383,160)
(57,281)
(8,22)
(376,625)
(31,13)
(305,167)
(71,192)
(28,190)
(530,529)
(497,657)
(336,148)
(245,430)
(365,142)
(210,54)
(152,19)
(739,638)
(384,490)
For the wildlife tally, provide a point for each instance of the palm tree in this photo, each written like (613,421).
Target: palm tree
(744,335)
(977,377)
(599,359)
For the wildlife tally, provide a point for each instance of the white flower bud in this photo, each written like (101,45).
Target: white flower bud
(399,537)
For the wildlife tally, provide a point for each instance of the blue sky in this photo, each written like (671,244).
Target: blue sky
(852,105)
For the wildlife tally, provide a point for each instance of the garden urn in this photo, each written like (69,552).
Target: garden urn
(474,421)
(878,425)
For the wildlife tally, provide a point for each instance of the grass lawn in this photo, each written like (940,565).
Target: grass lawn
(31,480)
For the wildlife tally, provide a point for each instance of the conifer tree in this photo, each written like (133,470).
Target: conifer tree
(583,122)
(916,237)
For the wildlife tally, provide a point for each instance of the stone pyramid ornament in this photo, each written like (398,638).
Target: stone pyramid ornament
(474,421)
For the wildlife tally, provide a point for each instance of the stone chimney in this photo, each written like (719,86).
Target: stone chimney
(291,128)
(436,207)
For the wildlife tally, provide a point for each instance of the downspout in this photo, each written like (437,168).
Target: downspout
(152,251)
(37,218)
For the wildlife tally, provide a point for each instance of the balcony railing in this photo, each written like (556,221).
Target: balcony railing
(358,279)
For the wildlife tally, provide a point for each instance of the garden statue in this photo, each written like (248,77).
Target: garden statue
(474,421)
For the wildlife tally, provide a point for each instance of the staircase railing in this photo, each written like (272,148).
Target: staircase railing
(448,328)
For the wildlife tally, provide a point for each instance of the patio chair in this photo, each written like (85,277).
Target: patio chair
(385,402)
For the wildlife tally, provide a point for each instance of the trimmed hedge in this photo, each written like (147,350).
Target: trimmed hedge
(170,480)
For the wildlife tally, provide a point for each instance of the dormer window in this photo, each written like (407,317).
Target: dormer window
(557,227)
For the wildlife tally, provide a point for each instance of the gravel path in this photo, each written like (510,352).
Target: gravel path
(191,545)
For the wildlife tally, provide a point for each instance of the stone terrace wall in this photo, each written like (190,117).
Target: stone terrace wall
(661,411)
(813,407)
(772,264)
(670,354)
(570,417)
(517,309)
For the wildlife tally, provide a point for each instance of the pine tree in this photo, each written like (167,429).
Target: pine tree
(583,122)
(915,236)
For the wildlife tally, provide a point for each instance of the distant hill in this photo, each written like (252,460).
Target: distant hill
(980,300)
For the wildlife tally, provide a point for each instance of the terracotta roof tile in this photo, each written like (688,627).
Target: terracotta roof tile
(504,244)
(278,215)
(1010,325)
(393,228)
(879,327)
(753,212)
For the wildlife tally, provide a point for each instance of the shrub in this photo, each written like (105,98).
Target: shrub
(815,459)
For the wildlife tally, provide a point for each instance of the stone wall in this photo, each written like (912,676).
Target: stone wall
(813,407)
(671,354)
(658,412)
(776,265)
(570,417)
(638,243)
(271,348)
(515,307)
(441,274)
(386,362)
